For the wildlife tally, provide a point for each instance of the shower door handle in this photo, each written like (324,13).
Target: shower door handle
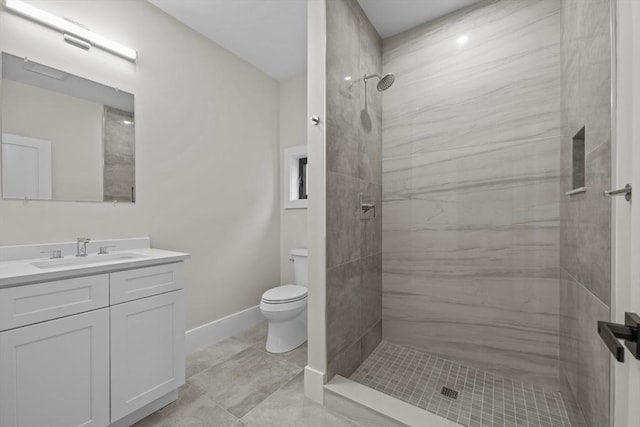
(612,332)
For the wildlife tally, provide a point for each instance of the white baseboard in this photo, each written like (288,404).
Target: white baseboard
(314,384)
(211,333)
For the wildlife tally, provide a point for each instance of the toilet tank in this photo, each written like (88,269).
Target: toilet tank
(300,266)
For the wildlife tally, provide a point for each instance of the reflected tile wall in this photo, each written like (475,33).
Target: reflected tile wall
(585,242)
(354,175)
(471,147)
(119,155)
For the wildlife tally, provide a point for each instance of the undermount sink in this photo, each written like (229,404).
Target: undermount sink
(91,259)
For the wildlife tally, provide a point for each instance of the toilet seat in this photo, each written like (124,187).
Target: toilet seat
(284,294)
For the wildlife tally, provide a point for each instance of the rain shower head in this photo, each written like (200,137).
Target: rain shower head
(384,82)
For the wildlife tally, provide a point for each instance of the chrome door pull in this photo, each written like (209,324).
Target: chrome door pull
(626,191)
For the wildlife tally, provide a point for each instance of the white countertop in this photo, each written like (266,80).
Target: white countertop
(22,272)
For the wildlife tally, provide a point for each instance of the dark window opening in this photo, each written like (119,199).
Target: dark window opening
(302,178)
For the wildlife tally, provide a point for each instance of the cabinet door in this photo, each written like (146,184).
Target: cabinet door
(56,373)
(147,351)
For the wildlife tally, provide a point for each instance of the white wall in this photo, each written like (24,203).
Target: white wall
(207,154)
(72,125)
(293,131)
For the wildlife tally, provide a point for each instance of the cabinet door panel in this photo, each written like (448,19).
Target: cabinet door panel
(147,351)
(56,374)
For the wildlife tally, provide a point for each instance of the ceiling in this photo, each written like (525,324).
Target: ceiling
(272,34)
(391,17)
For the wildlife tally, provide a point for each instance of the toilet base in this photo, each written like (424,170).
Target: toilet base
(287,335)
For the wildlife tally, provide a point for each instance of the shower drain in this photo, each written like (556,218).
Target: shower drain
(449,392)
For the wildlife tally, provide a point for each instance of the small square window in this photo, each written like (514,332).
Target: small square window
(303,177)
(296,178)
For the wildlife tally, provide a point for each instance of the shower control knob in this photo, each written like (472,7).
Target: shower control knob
(315,120)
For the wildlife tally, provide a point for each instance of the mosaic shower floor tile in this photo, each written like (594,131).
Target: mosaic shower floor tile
(465,395)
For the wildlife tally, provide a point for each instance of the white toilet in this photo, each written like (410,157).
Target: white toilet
(285,307)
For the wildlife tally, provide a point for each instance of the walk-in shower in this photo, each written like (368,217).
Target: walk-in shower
(452,299)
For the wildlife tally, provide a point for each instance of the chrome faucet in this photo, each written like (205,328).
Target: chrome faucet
(83,241)
(55,254)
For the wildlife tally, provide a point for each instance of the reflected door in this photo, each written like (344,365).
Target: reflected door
(26,167)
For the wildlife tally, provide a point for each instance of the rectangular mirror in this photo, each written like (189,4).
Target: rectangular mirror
(64,137)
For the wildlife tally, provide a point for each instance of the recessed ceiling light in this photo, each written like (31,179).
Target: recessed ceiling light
(462,40)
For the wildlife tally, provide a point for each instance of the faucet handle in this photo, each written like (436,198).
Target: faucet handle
(104,249)
(56,253)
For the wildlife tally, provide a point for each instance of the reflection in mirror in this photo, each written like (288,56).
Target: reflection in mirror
(64,137)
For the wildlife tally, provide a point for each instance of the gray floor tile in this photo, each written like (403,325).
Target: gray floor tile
(288,407)
(212,355)
(200,412)
(256,336)
(297,356)
(245,380)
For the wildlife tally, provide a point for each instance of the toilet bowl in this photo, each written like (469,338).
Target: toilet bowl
(285,307)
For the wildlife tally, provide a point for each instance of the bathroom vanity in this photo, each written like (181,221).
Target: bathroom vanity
(95,340)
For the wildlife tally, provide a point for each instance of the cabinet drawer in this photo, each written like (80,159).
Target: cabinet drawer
(24,305)
(144,282)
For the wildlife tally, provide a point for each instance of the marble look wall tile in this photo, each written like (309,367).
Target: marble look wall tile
(586,95)
(371,339)
(573,409)
(471,176)
(593,360)
(344,307)
(585,234)
(343,97)
(370,126)
(441,88)
(371,291)
(371,226)
(346,362)
(569,332)
(501,325)
(344,236)
(354,164)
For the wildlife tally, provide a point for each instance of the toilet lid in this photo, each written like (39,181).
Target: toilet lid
(286,293)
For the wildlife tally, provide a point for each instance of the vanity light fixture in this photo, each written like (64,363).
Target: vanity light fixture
(72,32)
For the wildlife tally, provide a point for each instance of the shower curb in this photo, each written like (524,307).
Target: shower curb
(375,409)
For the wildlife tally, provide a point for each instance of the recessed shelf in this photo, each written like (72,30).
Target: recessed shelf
(578,162)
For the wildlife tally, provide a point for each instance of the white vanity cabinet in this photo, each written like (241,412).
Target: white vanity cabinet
(91,351)
(56,373)
(147,351)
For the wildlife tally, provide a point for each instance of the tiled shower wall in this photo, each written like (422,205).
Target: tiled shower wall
(354,174)
(585,237)
(471,148)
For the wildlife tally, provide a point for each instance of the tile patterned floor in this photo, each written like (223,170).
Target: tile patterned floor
(236,383)
(484,400)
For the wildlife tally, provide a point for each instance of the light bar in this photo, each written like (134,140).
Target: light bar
(65,26)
